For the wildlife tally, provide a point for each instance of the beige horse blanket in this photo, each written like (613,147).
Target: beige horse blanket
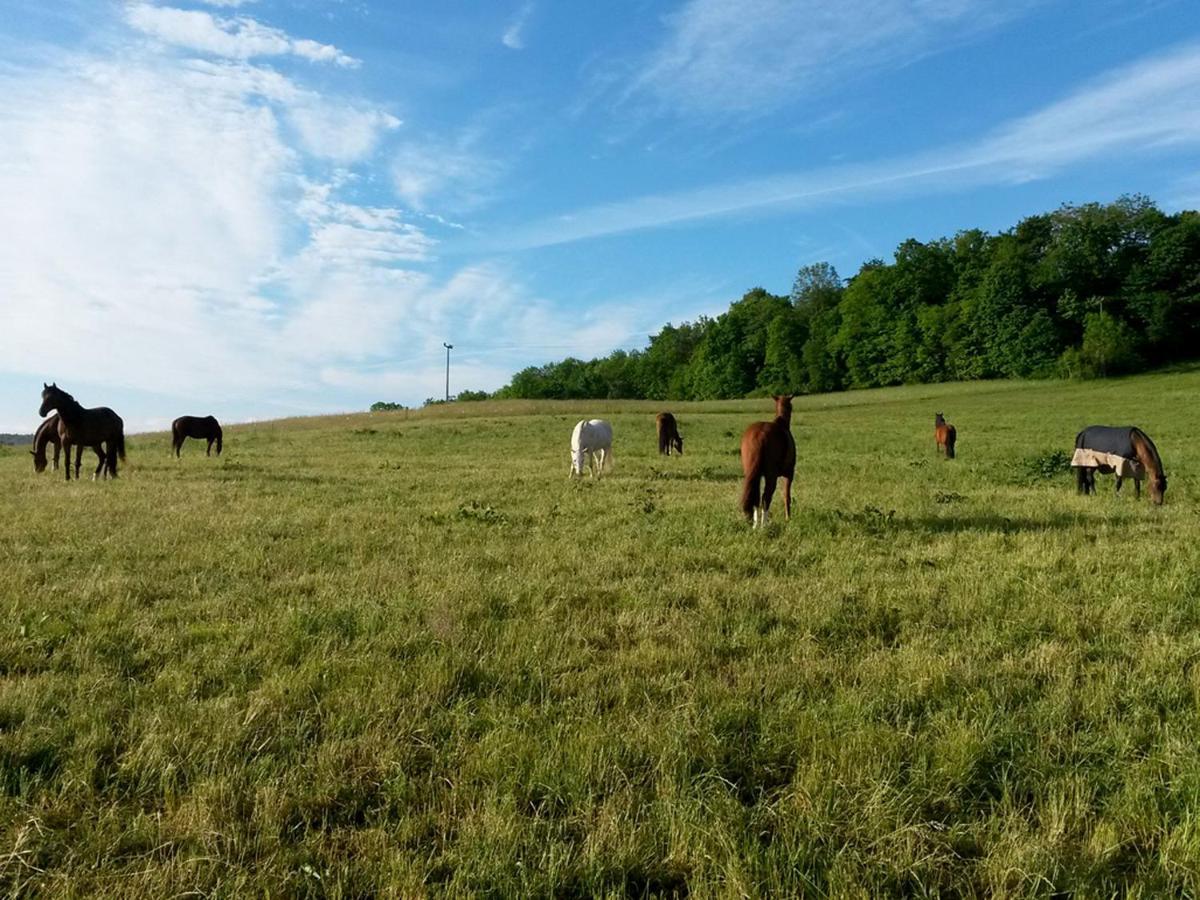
(1122,465)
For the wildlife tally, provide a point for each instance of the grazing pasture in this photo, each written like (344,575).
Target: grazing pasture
(401,654)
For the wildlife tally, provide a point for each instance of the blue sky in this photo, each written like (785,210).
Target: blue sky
(257,208)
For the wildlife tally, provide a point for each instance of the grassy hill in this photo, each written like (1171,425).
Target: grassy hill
(400,654)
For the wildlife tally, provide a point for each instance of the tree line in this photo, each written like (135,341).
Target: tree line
(1084,291)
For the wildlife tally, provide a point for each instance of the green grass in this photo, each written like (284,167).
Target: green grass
(401,655)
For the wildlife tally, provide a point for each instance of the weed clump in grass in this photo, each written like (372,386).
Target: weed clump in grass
(1045,466)
(480,512)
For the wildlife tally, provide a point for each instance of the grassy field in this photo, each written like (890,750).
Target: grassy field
(402,655)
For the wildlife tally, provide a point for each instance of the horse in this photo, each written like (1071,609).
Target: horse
(47,433)
(206,428)
(81,428)
(768,453)
(1126,451)
(668,434)
(591,439)
(944,435)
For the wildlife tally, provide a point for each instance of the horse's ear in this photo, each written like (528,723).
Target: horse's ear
(44,385)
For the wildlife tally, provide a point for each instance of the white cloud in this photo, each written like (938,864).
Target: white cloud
(751,56)
(140,253)
(1140,108)
(340,133)
(514,35)
(453,173)
(236,38)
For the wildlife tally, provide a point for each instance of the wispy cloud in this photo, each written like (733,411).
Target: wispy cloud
(240,37)
(514,34)
(752,56)
(1140,108)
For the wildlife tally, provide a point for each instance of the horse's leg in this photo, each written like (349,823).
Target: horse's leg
(67,450)
(1120,481)
(100,461)
(208,449)
(1137,489)
(57,450)
(768,492)
(787,498)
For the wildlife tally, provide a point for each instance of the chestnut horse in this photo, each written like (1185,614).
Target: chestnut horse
(47,433)
(768,453)
(1128,442)
(668,434)
(81,428)
(206,428)
(944,435)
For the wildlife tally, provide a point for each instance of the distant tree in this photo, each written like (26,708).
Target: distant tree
(472,396)
(1109,346)
(384,406)
(814,282)
(1084,290)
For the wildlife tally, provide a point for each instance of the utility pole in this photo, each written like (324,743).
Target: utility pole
(448,347)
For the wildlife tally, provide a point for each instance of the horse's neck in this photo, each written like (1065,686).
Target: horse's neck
(69,408)
(1147,455)
(785,420)
(42,438)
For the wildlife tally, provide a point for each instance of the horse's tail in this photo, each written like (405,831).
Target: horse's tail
(951,437)
(751,492)
(219,435)
(120,442)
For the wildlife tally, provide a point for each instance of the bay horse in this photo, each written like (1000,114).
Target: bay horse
(668,434)
(944,435)
(768,454)
(591,440)
(206,428)
(81,428)
(1125,451)
(46,434)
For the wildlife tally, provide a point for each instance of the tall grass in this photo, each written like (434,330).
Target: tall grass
(402,655)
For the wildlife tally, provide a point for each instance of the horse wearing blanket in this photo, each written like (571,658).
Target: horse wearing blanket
(1126,451)
(591,441)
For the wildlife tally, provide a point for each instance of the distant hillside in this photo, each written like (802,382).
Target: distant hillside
(16,440)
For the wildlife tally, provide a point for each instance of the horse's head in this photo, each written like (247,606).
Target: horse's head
(783,406)
(39,461)
(677,441)
(1158,487)
(51,396)
(939,419)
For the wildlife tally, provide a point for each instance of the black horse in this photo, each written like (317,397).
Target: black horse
(79,428)
(206,428)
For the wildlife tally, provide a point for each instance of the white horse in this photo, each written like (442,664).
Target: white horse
(591,439)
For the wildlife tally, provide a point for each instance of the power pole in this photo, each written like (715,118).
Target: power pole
(448,347)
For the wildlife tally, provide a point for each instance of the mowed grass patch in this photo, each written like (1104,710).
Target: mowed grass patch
(402,655)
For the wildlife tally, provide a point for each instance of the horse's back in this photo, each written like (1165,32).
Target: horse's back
(1114,439)
(768,444)
(600,432)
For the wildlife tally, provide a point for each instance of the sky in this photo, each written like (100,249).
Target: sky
(258,208)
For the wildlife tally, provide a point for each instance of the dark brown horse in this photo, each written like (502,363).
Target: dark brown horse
(768,454)
(47,434)
(944,435)
(1119,444)
(204,428)
(79,428)
(668,434)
